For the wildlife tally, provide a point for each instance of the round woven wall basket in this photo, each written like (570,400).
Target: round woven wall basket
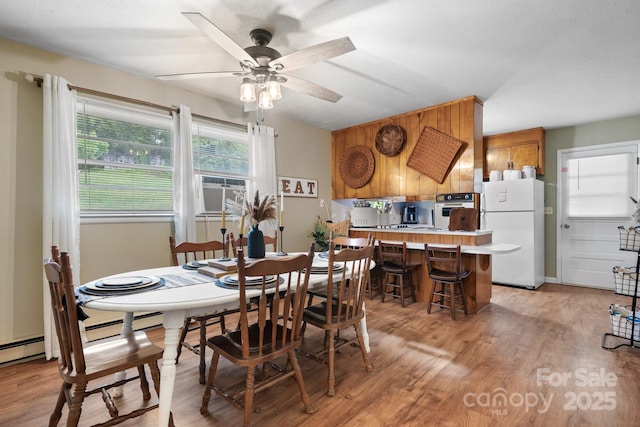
(356,166)
(390,140)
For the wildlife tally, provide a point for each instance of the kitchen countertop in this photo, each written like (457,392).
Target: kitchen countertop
(488,249)
(424,230)
(482,249)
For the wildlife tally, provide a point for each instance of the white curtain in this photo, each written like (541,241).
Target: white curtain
(262,166)
(61,219)
(184,185)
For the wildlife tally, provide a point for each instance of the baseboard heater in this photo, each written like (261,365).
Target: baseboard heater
(32,348)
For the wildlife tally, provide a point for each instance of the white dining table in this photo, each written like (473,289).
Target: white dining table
(176,304)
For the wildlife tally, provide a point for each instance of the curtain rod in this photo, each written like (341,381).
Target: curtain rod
(39,79)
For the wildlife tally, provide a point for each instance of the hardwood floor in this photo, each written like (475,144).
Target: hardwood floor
(537,353)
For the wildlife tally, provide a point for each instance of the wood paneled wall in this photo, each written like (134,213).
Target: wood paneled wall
(461,119)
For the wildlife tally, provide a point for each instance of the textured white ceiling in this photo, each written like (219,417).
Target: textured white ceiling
(533,63)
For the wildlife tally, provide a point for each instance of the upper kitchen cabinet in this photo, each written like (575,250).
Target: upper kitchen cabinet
(371,159)
(514,150)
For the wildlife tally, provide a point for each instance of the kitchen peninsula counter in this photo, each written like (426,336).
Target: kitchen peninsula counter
(476,246)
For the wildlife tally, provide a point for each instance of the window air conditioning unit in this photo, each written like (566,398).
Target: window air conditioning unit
(211,190)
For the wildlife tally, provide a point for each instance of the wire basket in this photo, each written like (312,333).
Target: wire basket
(625,280)
(621,322)
(339,228)
(629,238)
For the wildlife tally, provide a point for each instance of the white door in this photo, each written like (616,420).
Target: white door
(595,188)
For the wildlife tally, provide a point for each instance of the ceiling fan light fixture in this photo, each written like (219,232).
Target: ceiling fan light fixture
(264,100)
(262,64)
(273,87)
(247,91)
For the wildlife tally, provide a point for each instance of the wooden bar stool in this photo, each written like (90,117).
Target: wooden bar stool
(444,264)
(397,271)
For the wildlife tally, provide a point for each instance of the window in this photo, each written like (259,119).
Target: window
(221,157)
(600,186)
(125,163)
(220,150)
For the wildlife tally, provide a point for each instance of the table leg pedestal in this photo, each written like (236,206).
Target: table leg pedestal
(172,322)
(127,328)
(364,331)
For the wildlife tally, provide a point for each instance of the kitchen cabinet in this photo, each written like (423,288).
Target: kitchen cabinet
(514,150)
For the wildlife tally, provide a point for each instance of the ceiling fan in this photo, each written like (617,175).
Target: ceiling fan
(262,66)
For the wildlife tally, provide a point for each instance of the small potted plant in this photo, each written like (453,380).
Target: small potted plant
(320,236)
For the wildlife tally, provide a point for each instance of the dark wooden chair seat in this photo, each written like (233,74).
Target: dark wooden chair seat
(231,344)
(80,363)
(273,330)
(444,265)
(318,312)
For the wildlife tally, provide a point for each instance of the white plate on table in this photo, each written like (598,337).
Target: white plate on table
(230,281)
(129,283)
(323,268)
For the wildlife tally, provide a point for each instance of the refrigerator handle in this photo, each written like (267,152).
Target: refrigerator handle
(483,204)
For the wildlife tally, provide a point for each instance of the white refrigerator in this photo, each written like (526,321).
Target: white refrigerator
(514,210)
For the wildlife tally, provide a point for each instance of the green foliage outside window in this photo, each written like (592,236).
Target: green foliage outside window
(123,166)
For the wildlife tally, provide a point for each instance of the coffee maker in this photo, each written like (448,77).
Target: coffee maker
(410,215)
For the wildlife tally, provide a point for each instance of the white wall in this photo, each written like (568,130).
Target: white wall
(301,151)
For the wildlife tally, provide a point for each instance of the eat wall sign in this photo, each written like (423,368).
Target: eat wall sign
(298,187)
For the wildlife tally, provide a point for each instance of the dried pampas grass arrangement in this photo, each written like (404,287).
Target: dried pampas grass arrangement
(257,210)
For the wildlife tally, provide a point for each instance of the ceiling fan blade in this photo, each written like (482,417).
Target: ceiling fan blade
(308,88)
(205,74)
(316,53)
(216,34)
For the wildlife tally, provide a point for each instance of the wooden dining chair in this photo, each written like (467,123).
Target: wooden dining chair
(81,363)
(270,242)
(342,242)
(274,330)
(345,307)
(182,254)
(374,281)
